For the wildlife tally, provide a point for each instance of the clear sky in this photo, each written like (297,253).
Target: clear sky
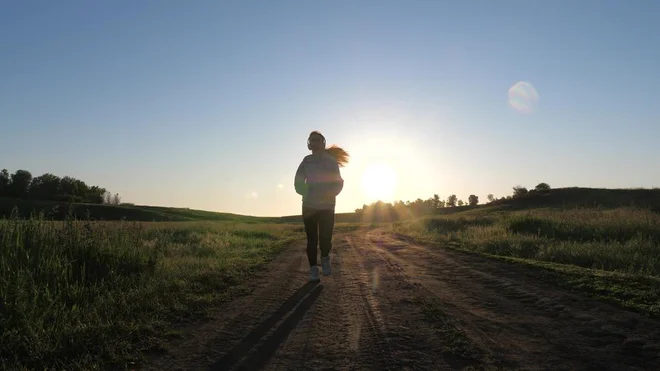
(208,104)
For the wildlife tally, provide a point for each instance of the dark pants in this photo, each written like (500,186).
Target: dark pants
(318,227)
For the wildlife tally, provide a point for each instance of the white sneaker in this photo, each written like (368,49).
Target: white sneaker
(327,269)
(314,274)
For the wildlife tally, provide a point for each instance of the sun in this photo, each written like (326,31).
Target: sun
(379,182)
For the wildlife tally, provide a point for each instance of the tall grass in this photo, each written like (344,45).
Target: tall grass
(91,295)
(624,240)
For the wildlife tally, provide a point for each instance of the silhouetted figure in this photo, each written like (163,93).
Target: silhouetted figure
(319,181)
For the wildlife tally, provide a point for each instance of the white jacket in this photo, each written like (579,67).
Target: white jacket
(318,181)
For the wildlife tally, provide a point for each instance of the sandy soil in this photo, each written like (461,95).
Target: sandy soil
(394,305)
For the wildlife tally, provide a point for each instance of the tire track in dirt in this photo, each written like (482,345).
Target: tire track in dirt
(362,317)
(450,351)
(347,329)
(260,355)
(235,328)
(394,305)
(515,317)
(365,311)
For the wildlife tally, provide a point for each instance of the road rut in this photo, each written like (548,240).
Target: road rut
(391,304)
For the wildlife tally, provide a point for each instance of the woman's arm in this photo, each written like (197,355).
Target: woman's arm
(337,180)
(299,181)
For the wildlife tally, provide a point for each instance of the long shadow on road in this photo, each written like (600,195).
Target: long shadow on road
(301,300)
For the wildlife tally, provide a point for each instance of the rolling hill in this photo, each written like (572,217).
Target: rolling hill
(573,197)
(582,197)
(59,210)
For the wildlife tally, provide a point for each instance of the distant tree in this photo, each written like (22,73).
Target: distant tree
(417,207)
(72,189)
(542,188)
(430,205)
(82,190)
(490,197)
(20,184)
(380,211)
(461,203)
(45,187)
(49,187)
(95,195)
(519,191)
(451,200)
(473,200)
(436,201)
(400,210)
(4,183)
(116,200)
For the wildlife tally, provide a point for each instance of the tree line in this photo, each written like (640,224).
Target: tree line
(49,187)
(397,210)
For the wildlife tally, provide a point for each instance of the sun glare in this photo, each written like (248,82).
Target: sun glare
(379,182)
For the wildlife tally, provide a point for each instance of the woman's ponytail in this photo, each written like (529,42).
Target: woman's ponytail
(340,154)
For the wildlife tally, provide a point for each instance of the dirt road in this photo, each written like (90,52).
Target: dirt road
(394,305)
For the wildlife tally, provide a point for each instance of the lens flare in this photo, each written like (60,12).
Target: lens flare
(379,182)
(523,97)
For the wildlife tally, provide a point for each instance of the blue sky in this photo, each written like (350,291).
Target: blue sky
(207,104)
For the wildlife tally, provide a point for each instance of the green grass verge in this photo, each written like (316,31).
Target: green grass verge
(94,295)
(60,211)
(610,254)
(57,210)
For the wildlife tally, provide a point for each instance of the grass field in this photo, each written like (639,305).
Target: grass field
(61,210)
(611,253)
(81,294)
(55,210)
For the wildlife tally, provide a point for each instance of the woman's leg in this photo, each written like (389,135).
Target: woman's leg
(311,221)
(326,226)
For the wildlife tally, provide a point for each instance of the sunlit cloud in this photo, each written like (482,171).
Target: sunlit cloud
(523,97)
(253,195)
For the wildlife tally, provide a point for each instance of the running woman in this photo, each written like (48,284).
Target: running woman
(319,181)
